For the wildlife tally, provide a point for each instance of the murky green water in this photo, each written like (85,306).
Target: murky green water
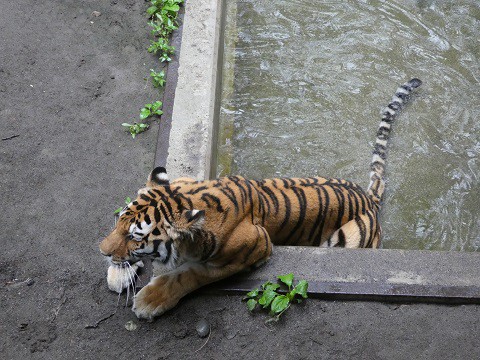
(303,86)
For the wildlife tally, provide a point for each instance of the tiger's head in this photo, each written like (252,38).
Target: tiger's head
(154,225)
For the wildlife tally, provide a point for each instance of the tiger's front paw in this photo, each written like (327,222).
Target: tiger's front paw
(153,300)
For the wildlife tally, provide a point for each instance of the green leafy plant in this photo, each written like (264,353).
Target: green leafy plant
(161,29)
(164,15)
(135,129)
(161,46)
(269,297)
(158,78)
(164,10)
(163,18)
(151,109)
(127,201)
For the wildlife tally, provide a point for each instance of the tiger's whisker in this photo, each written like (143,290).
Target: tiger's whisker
(119,294)
(130,278)
(132,274)
(128,294)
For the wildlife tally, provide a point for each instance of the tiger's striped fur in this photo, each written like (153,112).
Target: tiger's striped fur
(204,231)
(377,182)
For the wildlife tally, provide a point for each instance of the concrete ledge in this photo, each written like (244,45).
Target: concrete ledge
(190,142)
(383,275)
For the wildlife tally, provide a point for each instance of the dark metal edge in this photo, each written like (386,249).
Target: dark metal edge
(364,291)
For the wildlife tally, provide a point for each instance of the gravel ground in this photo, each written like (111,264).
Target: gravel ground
(68,79)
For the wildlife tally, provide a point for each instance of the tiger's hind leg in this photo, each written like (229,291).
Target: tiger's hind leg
(361,232)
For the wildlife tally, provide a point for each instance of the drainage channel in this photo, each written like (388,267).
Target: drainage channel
(341,274)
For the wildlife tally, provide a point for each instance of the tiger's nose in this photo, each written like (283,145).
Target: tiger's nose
(115,247)
(104,253)
(105,249)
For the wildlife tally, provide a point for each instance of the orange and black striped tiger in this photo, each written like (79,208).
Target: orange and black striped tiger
(204,231)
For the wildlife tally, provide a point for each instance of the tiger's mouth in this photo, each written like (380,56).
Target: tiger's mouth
(125,263)
(123,275)
(119,264)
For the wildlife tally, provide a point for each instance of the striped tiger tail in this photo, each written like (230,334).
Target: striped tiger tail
(377,166)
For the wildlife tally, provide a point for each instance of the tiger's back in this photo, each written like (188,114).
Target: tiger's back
(293,211)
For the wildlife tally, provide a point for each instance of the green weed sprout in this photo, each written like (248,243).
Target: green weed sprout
(135,129)
(164,11)
(158,78)
(161,46)
(276,303)
(127,201)
(151,109)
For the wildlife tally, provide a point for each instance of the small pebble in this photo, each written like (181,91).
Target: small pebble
(131,326)
(231,333)
(29,282)
(203,328)
(96,13)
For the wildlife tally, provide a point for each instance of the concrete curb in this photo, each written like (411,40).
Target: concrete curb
(190,141)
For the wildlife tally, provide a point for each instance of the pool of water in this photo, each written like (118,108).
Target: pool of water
(303,84)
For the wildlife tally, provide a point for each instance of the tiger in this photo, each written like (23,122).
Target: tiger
(205,231)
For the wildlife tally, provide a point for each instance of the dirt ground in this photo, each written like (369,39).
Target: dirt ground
(68,80)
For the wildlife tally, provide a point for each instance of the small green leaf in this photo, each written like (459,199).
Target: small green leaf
(266,284)
(290,295)
(172,7)
(252,294)
(267,298)
(156,106)
(301,289)
(279,304)
(152,10)
(144,113)
(126,124)
(251,304)
(287,279)
(128,200)
(271,286)
(165,58)
(118,210)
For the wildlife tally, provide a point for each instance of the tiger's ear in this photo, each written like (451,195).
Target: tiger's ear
(158,177)
(185,223)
